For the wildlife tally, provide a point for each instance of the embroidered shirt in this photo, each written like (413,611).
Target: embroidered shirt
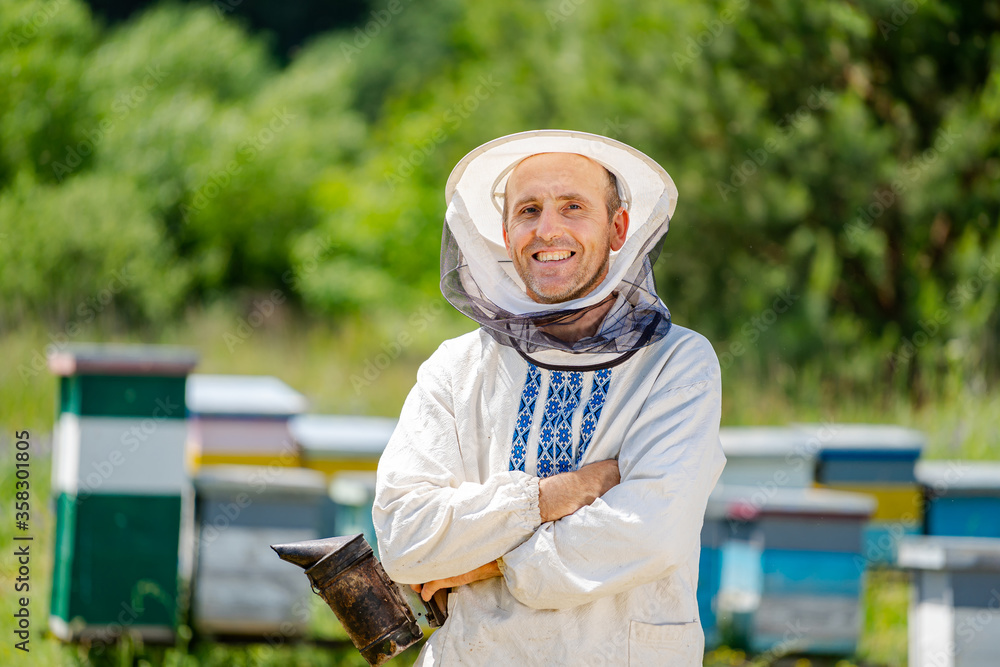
(613,583)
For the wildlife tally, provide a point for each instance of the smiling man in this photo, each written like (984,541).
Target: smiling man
(552,468)
(565,218)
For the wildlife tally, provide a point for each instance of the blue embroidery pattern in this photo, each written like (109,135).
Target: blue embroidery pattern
(555,437)
(555,440)
(592,413)
(532,384)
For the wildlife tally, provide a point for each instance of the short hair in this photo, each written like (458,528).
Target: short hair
(612,199)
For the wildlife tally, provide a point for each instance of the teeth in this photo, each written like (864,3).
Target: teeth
(551,256)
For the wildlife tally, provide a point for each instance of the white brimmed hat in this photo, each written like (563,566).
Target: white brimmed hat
(475,192)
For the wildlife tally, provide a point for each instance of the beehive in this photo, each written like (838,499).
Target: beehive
(121,490)
(352,494)
(339,443)
(878,460)
(240,587)
(961,498)
(242,420)
(767,457)
(792,570)
(715,532)
(955,600)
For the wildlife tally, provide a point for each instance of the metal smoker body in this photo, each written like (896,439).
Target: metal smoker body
(345,573)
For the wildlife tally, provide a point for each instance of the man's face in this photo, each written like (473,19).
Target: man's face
(557,230)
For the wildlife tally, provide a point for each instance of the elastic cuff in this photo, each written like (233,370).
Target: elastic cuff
(532,514)
(503,567)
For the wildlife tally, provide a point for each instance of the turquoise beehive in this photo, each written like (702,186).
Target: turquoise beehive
(793,560)
(961,498)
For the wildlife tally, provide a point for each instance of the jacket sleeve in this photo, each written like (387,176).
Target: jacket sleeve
(431,522)
(645,526)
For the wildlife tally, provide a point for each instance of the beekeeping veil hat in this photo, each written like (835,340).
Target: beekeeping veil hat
(479,278)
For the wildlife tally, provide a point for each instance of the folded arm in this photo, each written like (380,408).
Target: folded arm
(640,529)
(431,522)
(558,496)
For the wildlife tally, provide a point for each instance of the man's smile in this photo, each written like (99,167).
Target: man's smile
(553,255)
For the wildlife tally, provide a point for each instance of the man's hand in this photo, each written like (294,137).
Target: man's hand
(428,590)
(565,493)
(558,496)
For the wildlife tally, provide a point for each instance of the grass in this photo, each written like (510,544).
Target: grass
(886,601)
(46,650)
(328,363)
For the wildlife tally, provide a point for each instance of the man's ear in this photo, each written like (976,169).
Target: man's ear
(506,241)
(619,229)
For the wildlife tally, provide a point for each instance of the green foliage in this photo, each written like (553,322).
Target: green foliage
(786,127)
(841,158)
(41,63)
(172,145)
(92,242)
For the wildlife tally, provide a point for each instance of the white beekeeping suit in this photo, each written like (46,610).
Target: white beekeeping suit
(495,410)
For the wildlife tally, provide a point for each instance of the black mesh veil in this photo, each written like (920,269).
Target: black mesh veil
(479,280)
(637,318)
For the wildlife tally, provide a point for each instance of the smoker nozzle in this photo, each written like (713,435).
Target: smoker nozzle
(308,553)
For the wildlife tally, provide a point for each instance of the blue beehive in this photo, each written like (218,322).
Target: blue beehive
(961,498)
(714,533)
(759,459)
(792,570)
(879,460)
(353,494)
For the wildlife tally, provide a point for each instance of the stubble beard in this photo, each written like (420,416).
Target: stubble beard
(577,291)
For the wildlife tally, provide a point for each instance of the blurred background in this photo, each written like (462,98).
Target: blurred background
(263,182)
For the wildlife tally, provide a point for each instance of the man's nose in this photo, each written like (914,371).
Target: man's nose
(549,224)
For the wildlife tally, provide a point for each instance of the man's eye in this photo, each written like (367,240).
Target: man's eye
(529,209)
(574,206)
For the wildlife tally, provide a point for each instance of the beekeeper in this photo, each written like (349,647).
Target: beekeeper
(552,467)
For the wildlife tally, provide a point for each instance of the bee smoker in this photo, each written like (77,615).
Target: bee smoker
(345,573)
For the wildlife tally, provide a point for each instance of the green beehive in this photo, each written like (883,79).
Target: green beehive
(121,490)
